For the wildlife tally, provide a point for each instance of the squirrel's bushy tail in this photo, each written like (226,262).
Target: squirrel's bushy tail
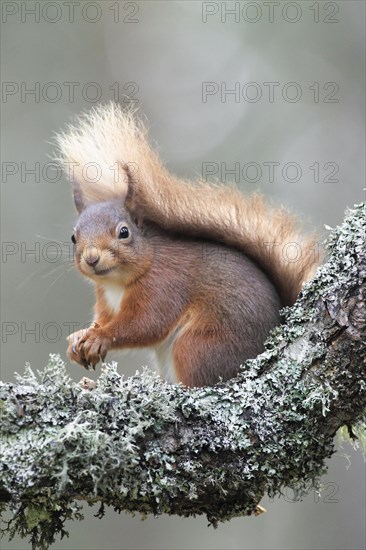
(112,138)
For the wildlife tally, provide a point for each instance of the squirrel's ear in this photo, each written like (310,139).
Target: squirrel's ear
(138,221)
(131,169)
(78,196)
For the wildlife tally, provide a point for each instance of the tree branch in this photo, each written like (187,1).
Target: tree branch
(139,444)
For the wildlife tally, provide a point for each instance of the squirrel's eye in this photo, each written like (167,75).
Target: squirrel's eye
(123,233)
(73,239)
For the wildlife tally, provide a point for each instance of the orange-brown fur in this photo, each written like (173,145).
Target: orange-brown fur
(204,273)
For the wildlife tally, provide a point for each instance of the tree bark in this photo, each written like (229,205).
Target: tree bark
(139,444)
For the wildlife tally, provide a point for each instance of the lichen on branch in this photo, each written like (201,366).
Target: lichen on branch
(141,445)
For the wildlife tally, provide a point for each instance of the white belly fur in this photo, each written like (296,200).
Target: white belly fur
(113,295)
(164,358)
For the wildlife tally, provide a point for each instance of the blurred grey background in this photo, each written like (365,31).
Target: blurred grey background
(292,127)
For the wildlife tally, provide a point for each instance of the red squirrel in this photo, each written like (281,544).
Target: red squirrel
(199,272)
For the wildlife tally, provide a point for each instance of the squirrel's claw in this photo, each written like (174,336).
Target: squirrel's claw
(93,347)
(89,347)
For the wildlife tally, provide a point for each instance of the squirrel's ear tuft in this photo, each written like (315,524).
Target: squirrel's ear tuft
(78,196)
(131,171)
(138,221)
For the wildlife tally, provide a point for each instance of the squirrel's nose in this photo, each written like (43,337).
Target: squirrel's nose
(92,259)
(91,255)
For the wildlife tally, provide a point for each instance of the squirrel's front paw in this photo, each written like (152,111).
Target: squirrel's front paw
(72,350)
(93,346)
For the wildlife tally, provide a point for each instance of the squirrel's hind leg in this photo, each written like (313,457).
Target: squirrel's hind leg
(202,358)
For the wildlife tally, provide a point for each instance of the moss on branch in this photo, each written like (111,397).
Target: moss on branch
(141,445)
